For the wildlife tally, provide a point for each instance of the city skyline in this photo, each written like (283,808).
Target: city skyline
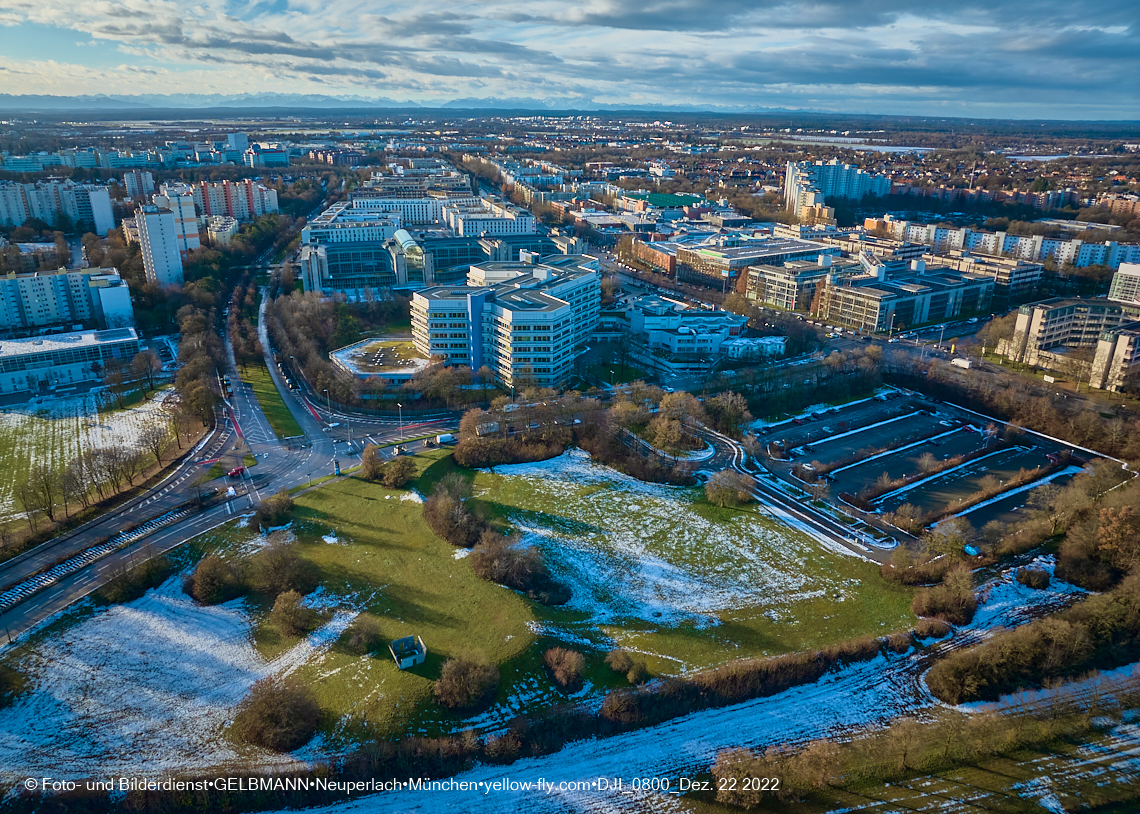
(1052,60)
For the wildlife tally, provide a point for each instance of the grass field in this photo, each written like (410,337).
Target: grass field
(281,421)
(661,571)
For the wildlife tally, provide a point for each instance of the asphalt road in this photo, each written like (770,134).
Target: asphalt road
(277,468)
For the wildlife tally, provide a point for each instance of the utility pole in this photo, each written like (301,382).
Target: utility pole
(942,336)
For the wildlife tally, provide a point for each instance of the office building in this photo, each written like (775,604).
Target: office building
(488,217)
(93,297)
(527,329)
(721,265)
(1014,279)
(666,327)
(138,183)
(889,299)
(1045,330)
(808,184)
(1126,284)
(42,363)
(792,285)
(158,236)
(1116,360)
(266,155)
(237,142)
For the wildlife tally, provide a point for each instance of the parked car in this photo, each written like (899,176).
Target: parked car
(237,471)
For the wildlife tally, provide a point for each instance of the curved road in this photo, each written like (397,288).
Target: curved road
(277,468)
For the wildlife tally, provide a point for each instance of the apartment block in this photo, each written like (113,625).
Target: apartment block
(527,329)
(807,184)
(1116,361)
(179,199)
(83,204)
(138,183)
(158,236)
(242,200)
(95,297)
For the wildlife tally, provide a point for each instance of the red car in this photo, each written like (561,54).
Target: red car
(237,471)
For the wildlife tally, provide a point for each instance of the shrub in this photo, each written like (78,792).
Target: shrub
(280,715)
(363,636)
(930,629)
(371,464)
(898,642)
(290,616)
(728,488)
(273,511)
(213,581)
(1033,578)
(638,673)
(447,514)
(953,601)
(467,681)
(397,474)
(129,585)
(565,666)
(279,568)
(505,560)
(619,661)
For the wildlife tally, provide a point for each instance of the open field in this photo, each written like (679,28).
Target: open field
(621,374)
(281,421)
(54,430)
(658,570)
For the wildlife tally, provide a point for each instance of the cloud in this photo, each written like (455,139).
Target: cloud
(1060,59)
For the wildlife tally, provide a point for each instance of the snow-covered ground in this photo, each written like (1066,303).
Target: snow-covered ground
(856,696)
(55,430)
(144,688)
(635,550)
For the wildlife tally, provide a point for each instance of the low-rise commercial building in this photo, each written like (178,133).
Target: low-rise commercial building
(886,299)
(221,229)
(1014,279)
(42,363)
(721,265)
(527,329)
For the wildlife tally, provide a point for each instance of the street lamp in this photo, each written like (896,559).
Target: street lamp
(400,407)
(328,402)
(611,379)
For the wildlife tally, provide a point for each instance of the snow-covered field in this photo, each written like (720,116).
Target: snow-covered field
(856,696)
(633,551)
(144,688)
(54,430)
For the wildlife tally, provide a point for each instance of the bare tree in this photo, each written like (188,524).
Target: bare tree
(146,365)
(155,438)
(43,480)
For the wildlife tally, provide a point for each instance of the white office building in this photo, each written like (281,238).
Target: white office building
(488,217)
(1126,284)
(158,236)
(527,329)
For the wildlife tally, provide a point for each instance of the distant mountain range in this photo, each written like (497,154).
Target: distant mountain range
(201,101)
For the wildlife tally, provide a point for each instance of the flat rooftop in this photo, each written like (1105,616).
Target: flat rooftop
(68,341)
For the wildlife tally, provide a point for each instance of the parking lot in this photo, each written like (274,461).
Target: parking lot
(960,441)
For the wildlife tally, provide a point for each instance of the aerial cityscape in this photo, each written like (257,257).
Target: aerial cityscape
(677,407)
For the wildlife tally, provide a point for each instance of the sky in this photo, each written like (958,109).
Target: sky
(1077,59)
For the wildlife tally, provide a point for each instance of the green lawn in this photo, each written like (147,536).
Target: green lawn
(691,585)
(388,564)
(280,419)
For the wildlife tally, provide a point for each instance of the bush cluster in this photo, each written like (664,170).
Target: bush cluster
(1102,631)
(448,515)
(467,681)
(273,511)
(506,560)
(272,571)
(1033,578)
(565,667)
(281,715)
(953,601)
